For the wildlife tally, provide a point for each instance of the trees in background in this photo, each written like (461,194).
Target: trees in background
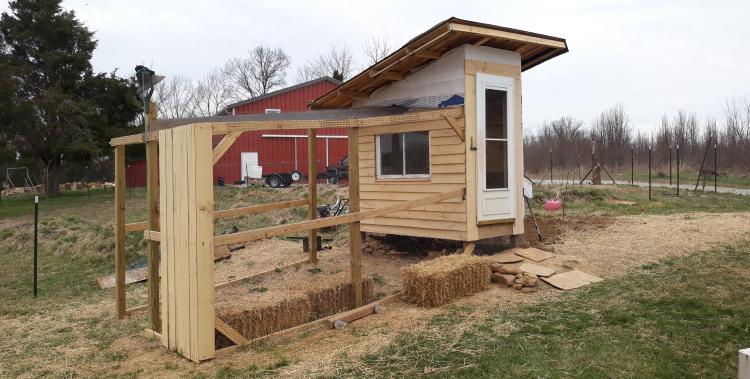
(570,141)
(61,110)
(263,69)
(337,62)
(375,49)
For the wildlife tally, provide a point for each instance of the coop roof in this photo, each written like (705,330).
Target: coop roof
(316,119)
(533,48)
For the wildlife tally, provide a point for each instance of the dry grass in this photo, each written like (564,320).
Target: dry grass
(444,279)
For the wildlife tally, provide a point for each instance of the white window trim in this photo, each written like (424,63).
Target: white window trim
(403,160)
(273,110)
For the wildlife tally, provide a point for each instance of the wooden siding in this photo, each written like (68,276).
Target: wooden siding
(186,217)
(446,219)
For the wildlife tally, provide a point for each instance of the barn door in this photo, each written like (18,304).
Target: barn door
(496,193)
(248,160)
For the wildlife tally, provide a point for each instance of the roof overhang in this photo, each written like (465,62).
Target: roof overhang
(533,48)
(322,119)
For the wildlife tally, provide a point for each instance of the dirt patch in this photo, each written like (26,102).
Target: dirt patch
(633,241)
(552,228)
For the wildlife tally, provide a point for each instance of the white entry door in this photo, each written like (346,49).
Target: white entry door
(496,192)
(248,160)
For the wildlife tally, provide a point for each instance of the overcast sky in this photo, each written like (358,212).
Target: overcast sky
(653,57)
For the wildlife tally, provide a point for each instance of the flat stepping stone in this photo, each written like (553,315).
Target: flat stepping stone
(508,258)
(534,254)
(537,270)
(571,280)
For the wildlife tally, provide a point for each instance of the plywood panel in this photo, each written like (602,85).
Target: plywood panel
(187,297)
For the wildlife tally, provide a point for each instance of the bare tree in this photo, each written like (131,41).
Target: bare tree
(211,94)
(336,63)
(263,69)
(375,49)
(174,97)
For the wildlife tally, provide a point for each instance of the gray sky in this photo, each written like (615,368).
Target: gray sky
(654,57)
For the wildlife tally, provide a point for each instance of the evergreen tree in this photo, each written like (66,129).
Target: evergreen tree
(62,111)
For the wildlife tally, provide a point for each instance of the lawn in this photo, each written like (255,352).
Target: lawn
(658,175)
(678,318)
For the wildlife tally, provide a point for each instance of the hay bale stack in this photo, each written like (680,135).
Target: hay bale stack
(444,279)
(265,319)
(328,301)
(256,314)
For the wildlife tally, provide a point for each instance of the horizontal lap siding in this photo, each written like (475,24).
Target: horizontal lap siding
(446,219)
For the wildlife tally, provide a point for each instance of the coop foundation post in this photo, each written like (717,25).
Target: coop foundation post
(312,184)
(355,237)
(120,231)
(152,248)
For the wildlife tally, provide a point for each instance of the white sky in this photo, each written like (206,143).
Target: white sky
(654,57)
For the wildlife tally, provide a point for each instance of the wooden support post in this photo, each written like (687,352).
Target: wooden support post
(469,247)
(120,231)
(312,184)
(355,237)
(152,247)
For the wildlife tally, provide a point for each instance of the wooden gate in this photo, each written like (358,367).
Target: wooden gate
(186,213)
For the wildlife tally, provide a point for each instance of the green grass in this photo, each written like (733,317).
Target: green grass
(597,200)
(679,318)
(23,204)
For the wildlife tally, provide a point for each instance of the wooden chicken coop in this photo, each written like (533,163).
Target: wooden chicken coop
(435,150)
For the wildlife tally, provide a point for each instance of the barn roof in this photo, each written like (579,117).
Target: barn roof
(534,49)
(228,108)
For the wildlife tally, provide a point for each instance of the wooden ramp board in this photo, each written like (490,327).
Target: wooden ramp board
(534,254)
(507,258)
(571,280)
(536,269)
(131,276)
(141,274)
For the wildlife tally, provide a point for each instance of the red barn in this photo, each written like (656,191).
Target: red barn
(275,151)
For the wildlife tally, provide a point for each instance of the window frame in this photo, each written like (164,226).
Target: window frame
(272,110)
(378,174)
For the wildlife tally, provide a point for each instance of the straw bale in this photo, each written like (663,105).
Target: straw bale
(444,279)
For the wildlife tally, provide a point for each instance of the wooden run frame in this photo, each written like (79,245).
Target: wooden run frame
(194,349)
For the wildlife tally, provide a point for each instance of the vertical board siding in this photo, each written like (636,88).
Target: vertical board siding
(447,160)
(186,218)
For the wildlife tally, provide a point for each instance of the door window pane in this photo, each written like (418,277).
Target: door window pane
(496,113)
(496,172)
(391,155)
(417,153)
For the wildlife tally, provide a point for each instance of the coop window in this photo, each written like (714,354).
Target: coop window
(403,155)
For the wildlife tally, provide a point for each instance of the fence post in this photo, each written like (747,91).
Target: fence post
(550,166)
(649,173)
(678,170)
(36,233)
(716,171)
(670,166)
(312,184)
(632,166)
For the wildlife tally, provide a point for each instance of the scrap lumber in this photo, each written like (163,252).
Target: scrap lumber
(360,312)
(571,280)
(536,269)
(533,254)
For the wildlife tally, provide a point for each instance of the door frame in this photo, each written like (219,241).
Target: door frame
(505,83)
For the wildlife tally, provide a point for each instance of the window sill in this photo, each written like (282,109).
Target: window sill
(402,180)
